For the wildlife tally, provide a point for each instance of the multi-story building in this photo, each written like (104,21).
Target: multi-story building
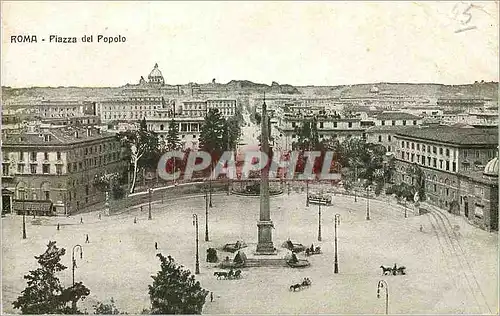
(189,129)
(134,108)
(394,118)
(450,159)
(58,109)
(193,108)
(58,165)
(385,135)
(328,125)
(227,107)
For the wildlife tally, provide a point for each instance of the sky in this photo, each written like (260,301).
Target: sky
(299,43)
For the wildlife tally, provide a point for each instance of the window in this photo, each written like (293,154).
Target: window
(440,150)
(404,122)
(20,168)
(447,166)
(440,163)
(447,152)
(477,153)
(429,149)
(46,168)
(349,124)
(414,122)
(393,122)
(402,144)
(434,150)
(21,155)
(407,144)
(412,145)
(454,167)
(33,156)
(383,122)
(293,124)
(434,162)
(320,124)
(428,161)
(379,138)
(5,169)
(389,137)
(33,168)
(423,148)
(423,160)
(465,153)
(412,157)
(47,195)
(418,146)
(46,156)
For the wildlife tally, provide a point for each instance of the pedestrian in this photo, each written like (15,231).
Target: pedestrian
(57,226)
(81,220)
(156,245)
(135,220)
(211,296)
(421,228)
(99,215)
(87,239)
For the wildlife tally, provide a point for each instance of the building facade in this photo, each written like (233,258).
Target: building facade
(41,164)
(451,159)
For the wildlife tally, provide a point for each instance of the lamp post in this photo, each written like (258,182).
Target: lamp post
(210,183)
(336,264)
(195,223)
(206,215)
(405,209)
(76,247)
(307,193)
(24,215)
(382,284)
(319,222)
(368,188)
(150,193)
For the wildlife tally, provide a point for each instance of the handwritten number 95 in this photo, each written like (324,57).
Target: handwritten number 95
(462,14)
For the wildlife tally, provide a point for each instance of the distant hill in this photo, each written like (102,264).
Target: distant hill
(26,96)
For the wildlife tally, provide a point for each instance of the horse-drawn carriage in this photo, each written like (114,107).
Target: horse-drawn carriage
(313,251)
(393,270)
(293,247)
(234,247)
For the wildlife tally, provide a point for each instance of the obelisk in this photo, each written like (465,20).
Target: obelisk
(265,225)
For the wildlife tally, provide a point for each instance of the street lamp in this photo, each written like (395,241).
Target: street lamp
(206,215)
(382,284)
(368,188)
(336,265)
(76,247)
(195,223)
(319,222)
(405,209)
(307,193)
(24,215)
(150,193)
(210,183)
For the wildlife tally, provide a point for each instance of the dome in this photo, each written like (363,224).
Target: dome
(491,168)
(155,72)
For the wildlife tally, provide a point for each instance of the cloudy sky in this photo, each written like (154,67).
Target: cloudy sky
(300,43)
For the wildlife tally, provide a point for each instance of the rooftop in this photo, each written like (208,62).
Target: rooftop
(454,135)
(390,128)
(53,136)
(396,116)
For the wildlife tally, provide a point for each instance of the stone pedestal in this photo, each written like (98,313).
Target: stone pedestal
(265,244)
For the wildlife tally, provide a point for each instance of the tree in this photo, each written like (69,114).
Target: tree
(175,290)
(44,293)
(101,308)
(143,148)
(234,132)
(214,135)
(173,140)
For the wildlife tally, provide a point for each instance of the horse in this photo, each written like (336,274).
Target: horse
(219,275)
(385,270)
(317,249)
(237,274)
(230,273)
(295,287)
